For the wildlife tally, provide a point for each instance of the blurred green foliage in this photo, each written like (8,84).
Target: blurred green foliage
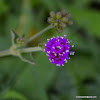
(79,77)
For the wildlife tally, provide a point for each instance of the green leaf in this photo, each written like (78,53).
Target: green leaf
(88,19)
(14,37)
(14,95)
(3,7)
(81,66)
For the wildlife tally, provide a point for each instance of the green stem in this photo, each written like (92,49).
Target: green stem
(31,49)
(23,50)
(39,33)
(5,53)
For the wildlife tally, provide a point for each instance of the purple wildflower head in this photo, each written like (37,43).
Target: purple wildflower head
(58,50)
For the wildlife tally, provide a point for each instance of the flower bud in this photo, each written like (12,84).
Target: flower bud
(63,12)
(50,20)
(58,20)
(64,19)
(21,41)
(55,24)
(52,14)
(70,22)
(62,24)
(69,15)
(58,15)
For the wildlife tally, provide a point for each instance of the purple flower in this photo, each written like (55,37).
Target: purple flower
(58,50)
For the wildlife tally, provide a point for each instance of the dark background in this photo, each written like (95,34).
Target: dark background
(45,81)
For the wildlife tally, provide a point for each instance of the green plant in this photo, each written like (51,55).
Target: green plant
(57,20)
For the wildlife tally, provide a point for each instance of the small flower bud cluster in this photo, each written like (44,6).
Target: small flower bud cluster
(21,41)
(60,20)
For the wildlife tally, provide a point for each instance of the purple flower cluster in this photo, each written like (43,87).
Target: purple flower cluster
(58,50)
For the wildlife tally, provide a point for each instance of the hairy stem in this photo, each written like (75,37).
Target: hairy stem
(39,33)
(5,53)
(31,49)
(23,50)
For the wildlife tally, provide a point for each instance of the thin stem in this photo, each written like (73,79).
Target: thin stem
(39,33)
(31,49)
(23,50)
(5,53)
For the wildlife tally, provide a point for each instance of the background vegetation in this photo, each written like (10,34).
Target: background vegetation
(80,76)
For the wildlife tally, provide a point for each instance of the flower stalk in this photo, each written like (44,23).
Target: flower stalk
(5,53)
(39,33)
(31,49)
(15,52)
